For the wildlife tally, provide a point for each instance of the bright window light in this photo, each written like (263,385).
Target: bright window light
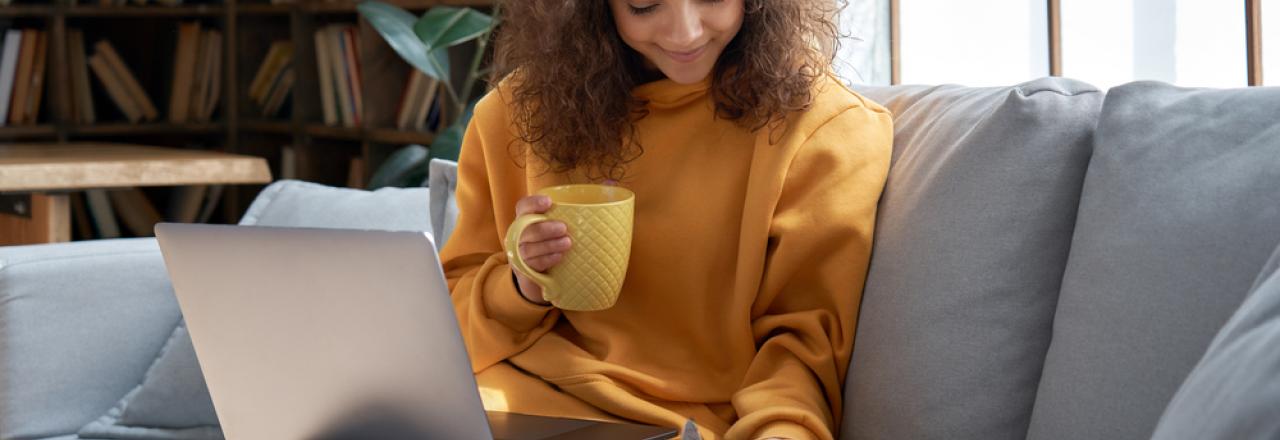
(1271,42)
(1097,41)
(987,43)
(1195,43)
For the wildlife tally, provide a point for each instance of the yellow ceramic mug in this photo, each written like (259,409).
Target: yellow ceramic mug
(590,275)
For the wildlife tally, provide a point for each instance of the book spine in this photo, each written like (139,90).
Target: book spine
(8,67)
(325,71)
(22,81)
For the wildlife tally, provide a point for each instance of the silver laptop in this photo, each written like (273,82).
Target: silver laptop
(337,334)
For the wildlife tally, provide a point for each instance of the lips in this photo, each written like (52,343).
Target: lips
(686,57)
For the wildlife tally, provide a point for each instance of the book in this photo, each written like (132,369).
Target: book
(38,78)
(325,70)
(342,85)
(352,52)
(22,79)
(80,217)
(104,217)
(279,55)
(135,211)
(355,173)
(81,94)
(428,102)
(410,97)
(8,69)
(279,93)
(131,85)
(115,90)
(210,203)
(200,78)
(185,202)
(288,162)
(214,94)
(184,68)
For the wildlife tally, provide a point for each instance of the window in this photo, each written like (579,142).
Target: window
(1186,42)
(992,42)
(1271,42)
(863,55)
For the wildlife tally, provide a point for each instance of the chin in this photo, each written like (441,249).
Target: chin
(686,76)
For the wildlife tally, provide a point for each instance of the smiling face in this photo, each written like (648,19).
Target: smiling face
(681,38)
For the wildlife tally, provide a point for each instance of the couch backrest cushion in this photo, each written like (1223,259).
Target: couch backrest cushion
(79,324)
(972,236)
(295,203)
(1180,209)
(1233,393)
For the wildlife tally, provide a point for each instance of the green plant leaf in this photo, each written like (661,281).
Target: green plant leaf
(445,26)
(406,167)
(397,27)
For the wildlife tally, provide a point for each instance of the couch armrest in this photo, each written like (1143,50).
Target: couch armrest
(79,324)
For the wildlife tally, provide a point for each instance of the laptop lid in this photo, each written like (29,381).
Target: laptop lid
(315,334)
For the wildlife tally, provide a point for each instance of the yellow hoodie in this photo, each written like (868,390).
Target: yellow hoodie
(746,272)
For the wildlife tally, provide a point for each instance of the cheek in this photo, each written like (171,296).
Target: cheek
(629,30)
(729,21)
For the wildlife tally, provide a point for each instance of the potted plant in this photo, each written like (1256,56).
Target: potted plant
(423,42)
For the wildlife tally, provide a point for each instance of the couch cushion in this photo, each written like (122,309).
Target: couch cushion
(310,205)
(171,402)
(973,233)
(443,181)
(1179,211)
(79,324)
(1233,392)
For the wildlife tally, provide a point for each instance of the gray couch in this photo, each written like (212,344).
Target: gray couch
(1051,262)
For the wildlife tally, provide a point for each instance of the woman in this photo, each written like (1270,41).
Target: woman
(756,176)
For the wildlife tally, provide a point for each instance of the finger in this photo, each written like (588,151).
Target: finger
(543,231)
(533,205)
(542,248)
(545,262)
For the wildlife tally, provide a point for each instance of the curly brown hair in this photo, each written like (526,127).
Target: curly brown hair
(572,99)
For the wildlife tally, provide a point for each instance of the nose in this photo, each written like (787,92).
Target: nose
(686,29)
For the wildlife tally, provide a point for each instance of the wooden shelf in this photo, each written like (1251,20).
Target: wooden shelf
(400,137)
(376,135)
(26,11)
(263,9)
(146,11)
(327,132)
(126,129)
(418,5)
(28,131)
(274,127)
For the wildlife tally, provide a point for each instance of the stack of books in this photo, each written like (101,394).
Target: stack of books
(338,62)
(274,80)
(197,74)
(23,62)
(420,103)
(121,85)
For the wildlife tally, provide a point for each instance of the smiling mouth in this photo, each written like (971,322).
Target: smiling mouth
(686,57)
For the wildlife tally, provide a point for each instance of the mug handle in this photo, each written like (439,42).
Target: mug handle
(513,250)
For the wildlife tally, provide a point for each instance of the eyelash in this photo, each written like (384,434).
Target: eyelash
(648,9)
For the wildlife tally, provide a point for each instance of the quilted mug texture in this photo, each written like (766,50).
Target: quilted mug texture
(599,219)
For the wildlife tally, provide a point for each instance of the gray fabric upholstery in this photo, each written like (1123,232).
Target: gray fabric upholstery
(443,182)
(79,324)
(172,401)
(304,204)
(1234,392)
(1180,208)
(973,233)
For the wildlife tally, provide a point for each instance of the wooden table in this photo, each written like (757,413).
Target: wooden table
(35,179)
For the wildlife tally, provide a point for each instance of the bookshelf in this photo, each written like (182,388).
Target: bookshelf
(146,37)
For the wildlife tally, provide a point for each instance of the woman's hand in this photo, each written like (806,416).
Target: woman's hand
(542,245)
